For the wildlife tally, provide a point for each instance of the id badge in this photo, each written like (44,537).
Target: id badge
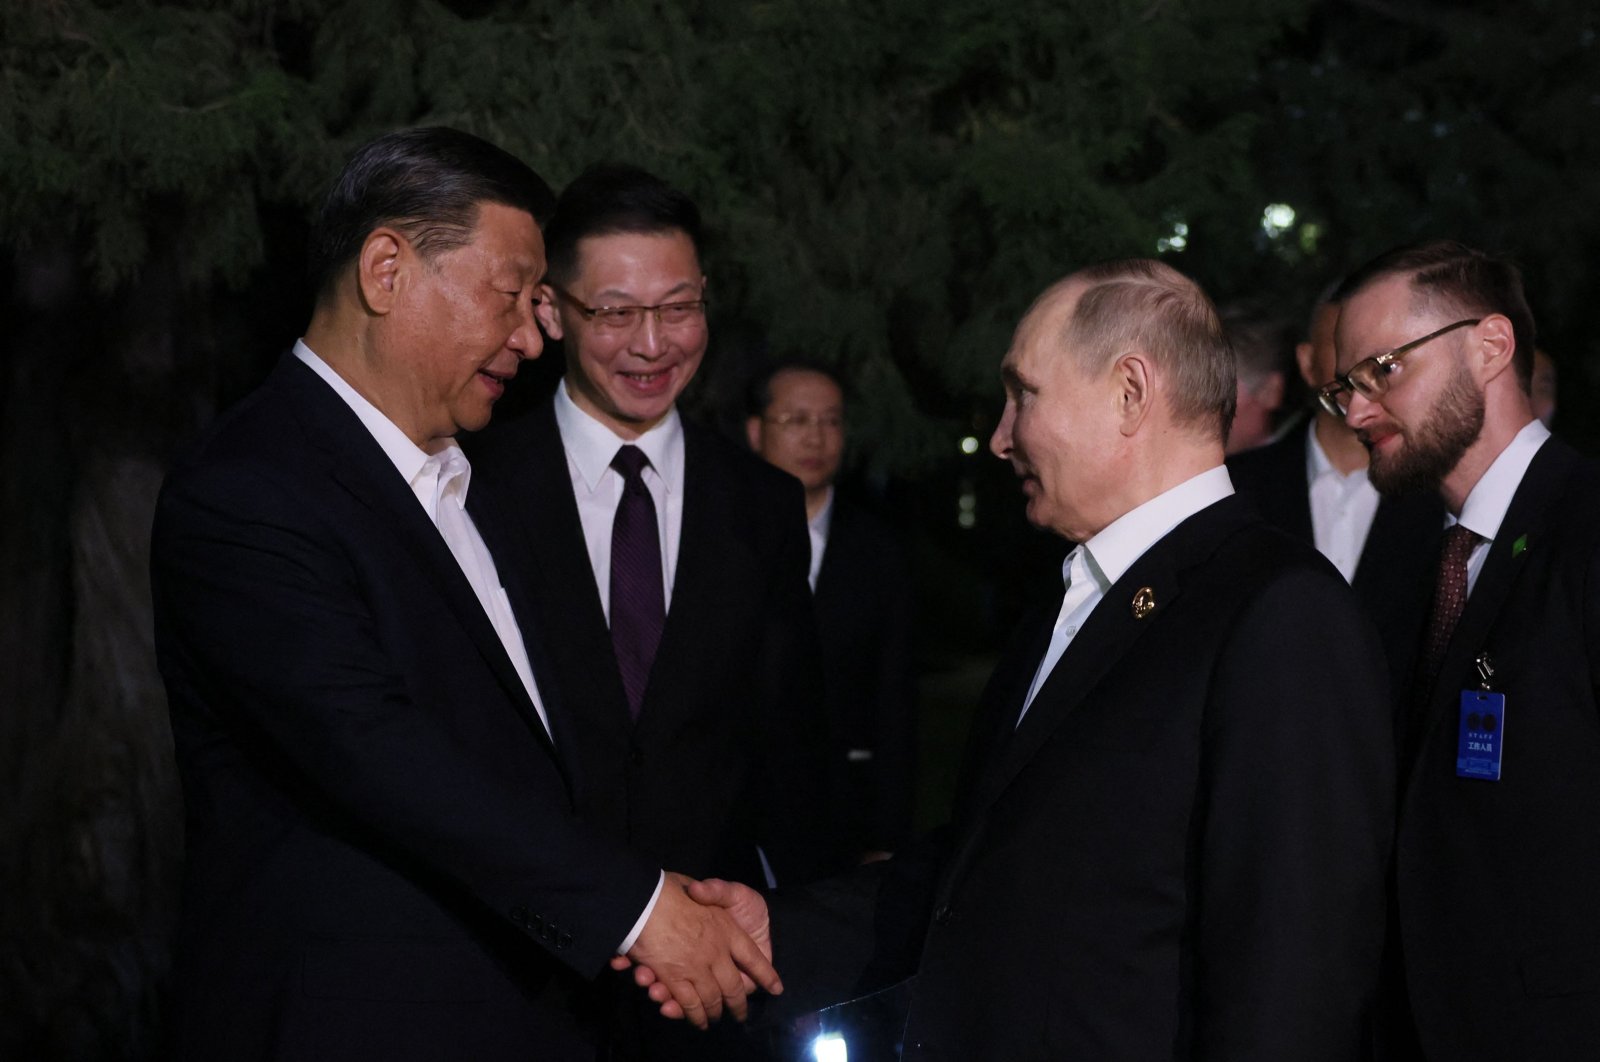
(1482,735)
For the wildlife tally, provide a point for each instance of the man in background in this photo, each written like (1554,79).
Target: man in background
(1498,847)
(862,593)
(1260,342)
(1313,484)
(666,568)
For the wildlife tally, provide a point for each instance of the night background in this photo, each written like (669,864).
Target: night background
(888,183)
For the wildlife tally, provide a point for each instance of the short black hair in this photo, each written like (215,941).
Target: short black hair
(428,183)
(1465,280)
(758,396)
(610,198)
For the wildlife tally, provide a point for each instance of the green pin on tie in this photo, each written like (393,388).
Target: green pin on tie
(1520,546)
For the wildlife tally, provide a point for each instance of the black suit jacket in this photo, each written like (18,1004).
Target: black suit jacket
(863,602)
(1180,851)
(1394,577)
(729,748)
(1498,880)
(383,858)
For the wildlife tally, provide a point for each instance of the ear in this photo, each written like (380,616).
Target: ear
(1270,393)
(378,268)
(1497,344)
(752,431)
(547,313)
(1302,358)
(1133,390)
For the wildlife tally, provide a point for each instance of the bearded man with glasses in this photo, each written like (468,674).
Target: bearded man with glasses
(1495,932)
(666,572)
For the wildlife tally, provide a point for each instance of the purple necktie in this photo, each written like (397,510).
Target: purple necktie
(638,599)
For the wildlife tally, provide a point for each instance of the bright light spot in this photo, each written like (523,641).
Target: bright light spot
(967,503)
(830,1047)
(969,444)
(1177,240)
(967,520)
(1277,219)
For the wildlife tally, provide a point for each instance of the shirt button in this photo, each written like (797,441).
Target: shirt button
(1071,631)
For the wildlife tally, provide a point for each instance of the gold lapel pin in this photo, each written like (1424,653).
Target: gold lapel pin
(1144,602)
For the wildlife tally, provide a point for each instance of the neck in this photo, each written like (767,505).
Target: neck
(1344,450)
(816,499)
(1158,472)
(1492,441)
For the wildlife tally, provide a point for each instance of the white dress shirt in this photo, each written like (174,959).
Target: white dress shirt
(440,482)
(1485,508)
(819,526)
(590,447)
(1091,569)
(1342,507)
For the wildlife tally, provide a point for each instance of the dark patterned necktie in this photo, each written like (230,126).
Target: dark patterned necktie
(638,599)
(1449,597)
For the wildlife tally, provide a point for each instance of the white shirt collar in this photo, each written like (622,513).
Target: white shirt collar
(1486,505)
(1318,464)
(591,445)
(823,521)
(1127,538)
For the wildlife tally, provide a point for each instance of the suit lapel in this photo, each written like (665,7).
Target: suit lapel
(534,515)
(703,541)
(1111,633)
(1112,630)
(358,463)
(1523,531)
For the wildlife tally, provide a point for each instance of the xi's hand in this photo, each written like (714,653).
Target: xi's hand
(698,959)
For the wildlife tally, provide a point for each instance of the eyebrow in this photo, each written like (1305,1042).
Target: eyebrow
(618,293)
(1010,377)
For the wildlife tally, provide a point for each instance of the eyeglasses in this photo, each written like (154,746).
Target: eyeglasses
(627,318)
(1370,378)
(806,421)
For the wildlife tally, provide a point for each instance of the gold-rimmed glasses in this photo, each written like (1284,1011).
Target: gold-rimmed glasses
(626,318)
(1370,378)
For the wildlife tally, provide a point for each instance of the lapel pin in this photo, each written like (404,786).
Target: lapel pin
(1144,602)
(1520,546)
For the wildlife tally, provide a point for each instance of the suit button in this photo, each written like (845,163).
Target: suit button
(943,916)
(519,915)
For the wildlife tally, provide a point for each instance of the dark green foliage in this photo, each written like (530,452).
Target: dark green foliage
(888,182)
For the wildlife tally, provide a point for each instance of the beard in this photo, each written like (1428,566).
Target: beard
(1429,454)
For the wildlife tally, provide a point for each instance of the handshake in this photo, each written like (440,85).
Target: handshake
(706,946)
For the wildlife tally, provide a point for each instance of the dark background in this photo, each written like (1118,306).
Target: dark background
(888,183)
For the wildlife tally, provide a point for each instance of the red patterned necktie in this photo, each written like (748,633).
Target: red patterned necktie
(1449,597)
(638,596)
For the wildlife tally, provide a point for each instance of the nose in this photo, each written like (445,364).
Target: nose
(527,339)
(649,338)
(1359,409)
(1000,441)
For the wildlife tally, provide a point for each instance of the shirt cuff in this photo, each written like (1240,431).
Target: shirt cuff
(638,927)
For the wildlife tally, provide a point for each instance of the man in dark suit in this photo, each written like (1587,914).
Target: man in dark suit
(672,594)
(862,595)
(1313,483)
(383,855)
(1498,854)
(1171,837)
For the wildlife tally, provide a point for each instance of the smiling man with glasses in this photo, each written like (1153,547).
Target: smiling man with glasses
(666,573)
(1498,845)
